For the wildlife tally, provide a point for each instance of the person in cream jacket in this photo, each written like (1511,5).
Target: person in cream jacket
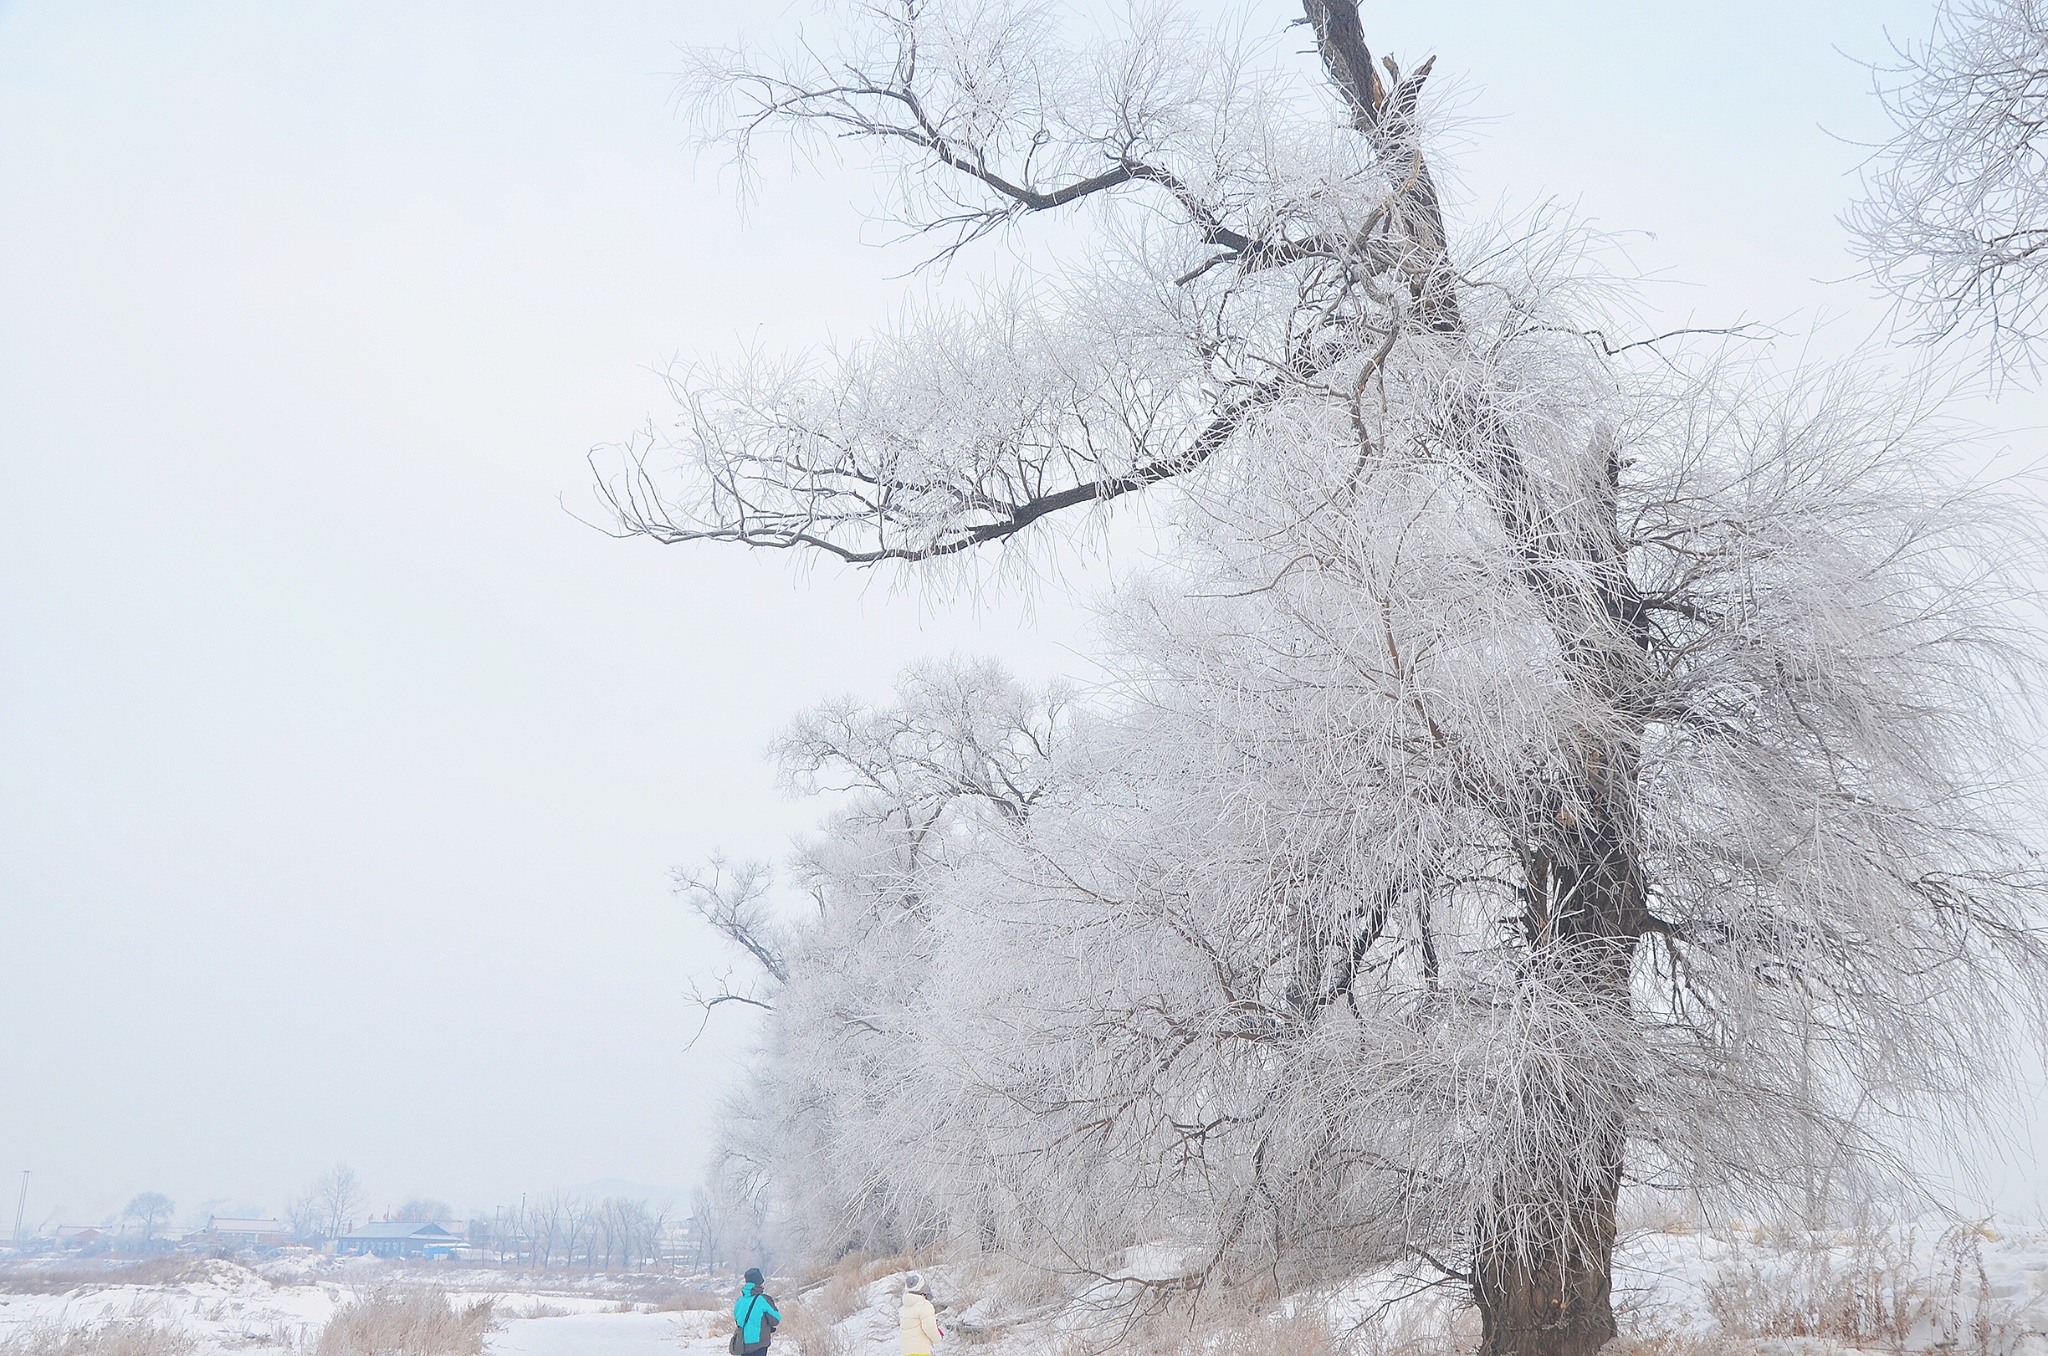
(917,1320)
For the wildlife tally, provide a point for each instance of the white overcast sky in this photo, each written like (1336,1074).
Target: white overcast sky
(341,768)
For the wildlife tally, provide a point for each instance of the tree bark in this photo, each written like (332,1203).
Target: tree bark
(1547,1290)
(1543,1254)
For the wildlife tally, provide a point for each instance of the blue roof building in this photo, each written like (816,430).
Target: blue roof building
(398,1238)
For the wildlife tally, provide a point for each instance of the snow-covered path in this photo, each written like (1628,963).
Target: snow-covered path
(605,1334)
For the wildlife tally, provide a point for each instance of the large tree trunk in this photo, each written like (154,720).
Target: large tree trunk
(1543,1253)
(1543,1249)
(1546,1290)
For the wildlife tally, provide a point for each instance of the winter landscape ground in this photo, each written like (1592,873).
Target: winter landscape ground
(188,1307)
(1976,1290)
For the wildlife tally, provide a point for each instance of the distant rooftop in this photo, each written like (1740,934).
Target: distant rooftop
(401,1229)
(220,1224)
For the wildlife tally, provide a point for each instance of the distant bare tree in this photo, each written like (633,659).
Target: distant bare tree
(704,1232)
(634,1223)
(484,1237)
(654,1244)
(623,1228)
(561,1223)
(544,1225)
(521,1234)
(337,1196)
(607,1231)
(1954,218)
(304,1218)
(576,1228)
(149,1210)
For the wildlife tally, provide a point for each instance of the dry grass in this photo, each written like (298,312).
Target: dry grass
(406,1323)
(1216,1329)
(1868,1297)
(1440,1329)
(58,1280)
(1662,1340)
(283,1337)
(1305,1334)
(665,1294)
(1876,1290)
(828,1298)
(1000,1293)
(1646,1211)
(852,1274)
(841,1297)
(807,1331)
(120,1337)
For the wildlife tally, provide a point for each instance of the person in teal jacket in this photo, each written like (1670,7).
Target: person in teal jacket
(754,1315)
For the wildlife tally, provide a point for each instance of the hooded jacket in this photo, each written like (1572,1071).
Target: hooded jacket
(919,1324)
(750,1310)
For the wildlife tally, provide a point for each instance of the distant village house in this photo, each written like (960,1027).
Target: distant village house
(243,1233)
(398,1238)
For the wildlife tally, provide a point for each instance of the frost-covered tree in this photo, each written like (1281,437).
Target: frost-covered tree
(1536,769)
(814,1139)
(1954,221)
(1304,938)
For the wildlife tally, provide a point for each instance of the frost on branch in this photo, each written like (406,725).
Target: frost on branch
(1253,254)
(1954,222)
(917,784)
(1275,960)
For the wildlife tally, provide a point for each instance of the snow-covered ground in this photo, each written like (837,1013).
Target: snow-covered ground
(1956,1291)
(223,1306)
(1979,1290)
(601,1334)
(1932,1288)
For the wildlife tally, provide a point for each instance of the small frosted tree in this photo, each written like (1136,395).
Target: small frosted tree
(1537,766)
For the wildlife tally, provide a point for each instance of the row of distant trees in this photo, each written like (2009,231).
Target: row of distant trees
(546,1231)
(327,1209)
(560,1230)
(557,1229)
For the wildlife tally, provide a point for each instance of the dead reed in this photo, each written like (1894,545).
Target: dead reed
(406,1323)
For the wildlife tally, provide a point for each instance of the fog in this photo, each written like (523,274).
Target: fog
(341,764)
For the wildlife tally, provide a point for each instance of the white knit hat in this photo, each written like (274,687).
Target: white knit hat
(913,1283)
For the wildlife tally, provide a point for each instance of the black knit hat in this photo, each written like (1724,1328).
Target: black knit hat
(753,1275)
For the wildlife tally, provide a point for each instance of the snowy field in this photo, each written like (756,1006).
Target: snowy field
(222,1306)
(1970,1291)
